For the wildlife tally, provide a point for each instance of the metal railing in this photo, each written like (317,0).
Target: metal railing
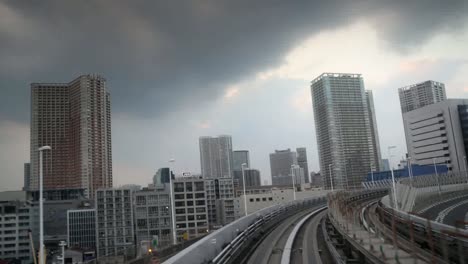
(432,241)
(225,244)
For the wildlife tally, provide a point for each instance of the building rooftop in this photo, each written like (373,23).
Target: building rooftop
(408,87)
(336,75)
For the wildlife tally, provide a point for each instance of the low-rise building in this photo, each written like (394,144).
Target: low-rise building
(114,222)
(217,189)
(15,223)
(81,225)
(438,133)
(258,199)
(55,220)
(191,211)
(153,221)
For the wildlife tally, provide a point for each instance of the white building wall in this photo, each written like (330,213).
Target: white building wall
(433,133)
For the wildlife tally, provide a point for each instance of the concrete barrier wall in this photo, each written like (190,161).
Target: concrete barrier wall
(424,190)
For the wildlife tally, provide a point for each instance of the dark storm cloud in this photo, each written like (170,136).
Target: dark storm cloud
(163,55)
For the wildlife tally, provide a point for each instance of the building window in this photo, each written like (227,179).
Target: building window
(179,187)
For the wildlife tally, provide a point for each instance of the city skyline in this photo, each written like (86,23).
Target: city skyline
(261,88)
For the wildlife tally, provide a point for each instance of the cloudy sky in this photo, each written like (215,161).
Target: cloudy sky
(178,70)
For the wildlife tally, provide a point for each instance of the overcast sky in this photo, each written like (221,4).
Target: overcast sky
(178,70)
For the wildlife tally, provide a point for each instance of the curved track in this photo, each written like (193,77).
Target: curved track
(309,246)
(271,248)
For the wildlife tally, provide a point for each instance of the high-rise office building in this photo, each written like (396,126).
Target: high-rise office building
(74,119)
(421,94)
(376,162)
(27,176)
(302,162)
(438,133)
(240,157)
(343,129)
(280,165)
(216,157)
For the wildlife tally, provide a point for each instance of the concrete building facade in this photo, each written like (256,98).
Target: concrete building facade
(15,223)
(216,157)
(220,189)
(436,133)
(421,94)
(265,197)
(114,222)
(191,208)
(153,218)
(74,119)
(342,128)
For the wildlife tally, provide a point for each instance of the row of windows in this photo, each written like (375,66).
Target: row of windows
(264,199)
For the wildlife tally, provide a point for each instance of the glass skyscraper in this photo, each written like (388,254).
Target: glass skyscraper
(240,157)
(343,129)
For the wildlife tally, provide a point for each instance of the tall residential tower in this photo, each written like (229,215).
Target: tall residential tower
(343,129)
(74,119)
(216,157)
(421,94)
